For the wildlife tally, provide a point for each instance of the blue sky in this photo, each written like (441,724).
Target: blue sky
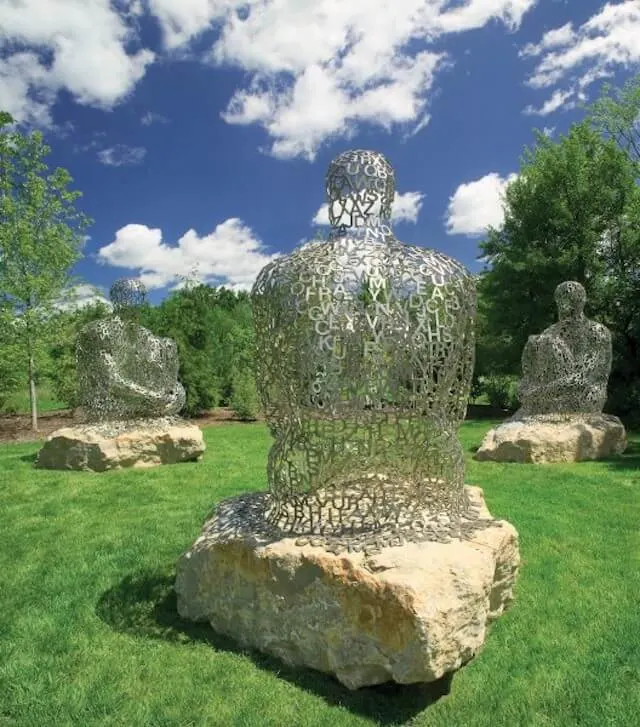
(200,131)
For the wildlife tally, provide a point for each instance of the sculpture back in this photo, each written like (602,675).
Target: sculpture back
(365,352)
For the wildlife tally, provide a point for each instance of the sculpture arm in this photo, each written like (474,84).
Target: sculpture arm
(562,383)
(534,350)
(603,356)
(130,388)
(529,363)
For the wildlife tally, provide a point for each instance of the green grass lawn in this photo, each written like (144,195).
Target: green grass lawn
(89,634)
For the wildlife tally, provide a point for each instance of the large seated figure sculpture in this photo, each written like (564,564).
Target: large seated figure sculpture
(129,394)
(357,560)
(565,371)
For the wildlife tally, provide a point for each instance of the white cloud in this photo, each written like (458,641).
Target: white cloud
(576,58)
(322,68)
(230,255)
(406,208)
(552,39)
(559,99)
(316,70)
(88,42)
(153,118)
(476,205)
(122,155)
(183,20)
(81,296)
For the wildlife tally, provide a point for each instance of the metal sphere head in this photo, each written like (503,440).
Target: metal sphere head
(570,298)
(127,294)
(360,188)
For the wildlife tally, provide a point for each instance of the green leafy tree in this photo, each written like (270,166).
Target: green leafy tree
(41,235)
(10,355)
(185,316)
(61,366)
(572,214)
(616,114)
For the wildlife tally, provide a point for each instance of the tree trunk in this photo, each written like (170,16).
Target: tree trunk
(32,394)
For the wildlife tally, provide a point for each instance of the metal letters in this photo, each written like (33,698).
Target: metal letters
(124,371)
(365,350)
(566,368)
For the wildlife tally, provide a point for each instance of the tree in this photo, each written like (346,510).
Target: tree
(616,114)
(185,317)
(41,235)
(573,213)
(61,365)
(9,355)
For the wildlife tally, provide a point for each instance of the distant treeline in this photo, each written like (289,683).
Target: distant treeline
(211,326)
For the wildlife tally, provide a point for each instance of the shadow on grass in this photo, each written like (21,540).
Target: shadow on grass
(144,605)
(30,458)
(486,411)
(628,460)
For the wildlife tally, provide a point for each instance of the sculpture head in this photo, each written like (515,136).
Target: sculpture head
(360,188)
(127,296)
(570,298)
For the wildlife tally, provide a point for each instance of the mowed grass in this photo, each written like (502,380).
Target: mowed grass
(89,634)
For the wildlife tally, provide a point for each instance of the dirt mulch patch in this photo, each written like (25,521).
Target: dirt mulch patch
(17,427)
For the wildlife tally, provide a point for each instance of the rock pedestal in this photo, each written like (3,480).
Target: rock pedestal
(408,614)
(116,445)
(560,439)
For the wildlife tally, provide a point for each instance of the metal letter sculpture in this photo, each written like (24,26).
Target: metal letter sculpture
(566,368)
(124,371)
(365,350)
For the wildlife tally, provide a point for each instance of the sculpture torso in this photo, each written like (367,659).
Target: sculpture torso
(125,372)
(565,369)
(365,356)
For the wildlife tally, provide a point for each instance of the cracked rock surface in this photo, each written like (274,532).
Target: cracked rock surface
(408,613)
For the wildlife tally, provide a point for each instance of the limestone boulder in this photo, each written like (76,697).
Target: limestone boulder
(409,614)
(547,440)
(116,445)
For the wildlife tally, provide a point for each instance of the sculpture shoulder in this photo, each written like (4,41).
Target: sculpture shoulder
(169,343)
(99,331)
(537,340)
(600,331)
(269,275)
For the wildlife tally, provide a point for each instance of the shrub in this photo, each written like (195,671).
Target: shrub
(244,395)
(500,390)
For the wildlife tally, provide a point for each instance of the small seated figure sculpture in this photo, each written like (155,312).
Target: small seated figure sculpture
(565,369)
(124,371)
(563,389)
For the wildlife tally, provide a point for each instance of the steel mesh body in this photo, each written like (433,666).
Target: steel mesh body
(124,371)
(565,369)
(365,350)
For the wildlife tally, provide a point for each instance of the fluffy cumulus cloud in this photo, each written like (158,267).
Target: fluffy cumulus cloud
(568,60)
(476,205)
(406,208)
(231,255)
(122,155)
(318,70)
(315,70)
(87,47)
